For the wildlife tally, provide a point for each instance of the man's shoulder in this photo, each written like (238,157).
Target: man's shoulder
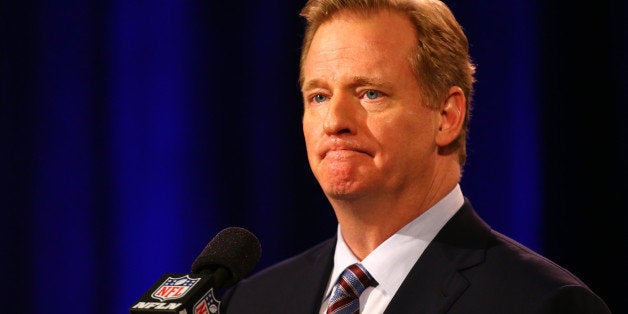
(498,256)
(518,258)
(296,283)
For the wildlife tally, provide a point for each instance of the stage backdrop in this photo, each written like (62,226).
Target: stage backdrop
(134,131)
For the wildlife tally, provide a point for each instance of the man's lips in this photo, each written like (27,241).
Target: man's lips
(341,153)
(339,148)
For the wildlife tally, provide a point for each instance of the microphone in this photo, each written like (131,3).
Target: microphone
(228,258)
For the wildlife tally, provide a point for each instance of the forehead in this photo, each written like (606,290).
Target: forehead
(385,26)
(360,44)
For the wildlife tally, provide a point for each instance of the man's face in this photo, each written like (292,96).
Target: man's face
(366,130)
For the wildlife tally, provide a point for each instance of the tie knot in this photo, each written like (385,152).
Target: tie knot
(353,281)
(359,279)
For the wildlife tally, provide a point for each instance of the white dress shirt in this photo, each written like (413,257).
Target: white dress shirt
(391,261)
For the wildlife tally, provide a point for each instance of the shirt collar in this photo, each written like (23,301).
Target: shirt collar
(402,249)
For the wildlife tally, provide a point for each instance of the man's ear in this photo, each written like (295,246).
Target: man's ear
(452,116)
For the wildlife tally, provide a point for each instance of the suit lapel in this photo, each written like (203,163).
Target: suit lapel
(308,294)
(435,283)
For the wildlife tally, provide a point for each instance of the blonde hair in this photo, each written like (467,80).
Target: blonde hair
(441,59)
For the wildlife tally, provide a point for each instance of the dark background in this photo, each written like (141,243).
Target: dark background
(133,131)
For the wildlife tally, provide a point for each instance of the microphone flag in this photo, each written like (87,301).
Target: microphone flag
(179,294)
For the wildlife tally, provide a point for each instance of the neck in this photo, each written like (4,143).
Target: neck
(368,221)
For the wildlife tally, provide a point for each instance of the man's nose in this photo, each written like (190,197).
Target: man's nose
(342,114)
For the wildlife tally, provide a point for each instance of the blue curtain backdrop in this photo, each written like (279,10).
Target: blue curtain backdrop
(134,131)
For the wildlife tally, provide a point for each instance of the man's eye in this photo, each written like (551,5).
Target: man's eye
(319,98)
(371,94)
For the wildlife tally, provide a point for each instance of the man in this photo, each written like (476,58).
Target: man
(387,89)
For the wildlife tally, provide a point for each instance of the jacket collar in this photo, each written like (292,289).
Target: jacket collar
(461,244)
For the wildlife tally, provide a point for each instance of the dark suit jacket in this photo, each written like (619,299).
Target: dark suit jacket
(468,268)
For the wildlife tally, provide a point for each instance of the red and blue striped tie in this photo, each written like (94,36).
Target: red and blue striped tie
(346,293)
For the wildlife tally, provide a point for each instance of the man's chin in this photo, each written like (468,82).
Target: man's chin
(343,191)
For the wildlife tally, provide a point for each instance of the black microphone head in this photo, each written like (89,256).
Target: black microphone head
(235,249)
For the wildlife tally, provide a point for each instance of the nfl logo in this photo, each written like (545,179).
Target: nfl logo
(174,288)
(208,304)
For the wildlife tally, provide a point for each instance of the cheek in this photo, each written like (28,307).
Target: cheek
(309,133)
(405,134)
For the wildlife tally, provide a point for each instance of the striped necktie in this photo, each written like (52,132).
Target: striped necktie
(346,293)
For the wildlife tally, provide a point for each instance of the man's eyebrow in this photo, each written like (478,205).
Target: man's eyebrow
(356,81)
(373,81)
(311,84)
